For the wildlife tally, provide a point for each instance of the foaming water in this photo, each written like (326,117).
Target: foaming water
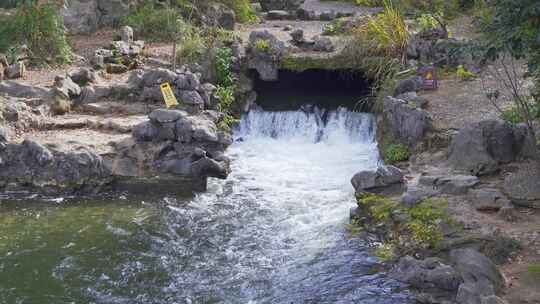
(274,232)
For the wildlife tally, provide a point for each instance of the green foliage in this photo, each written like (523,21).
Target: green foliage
(41,28)
(335,27)
(155,23)
(534,268)
(386,252)
(262,45)
(409,229)
(463,74)
(424,224)
(512,116)
(242,9)
(226,87)
(426,22)
(386,33)
(396,153)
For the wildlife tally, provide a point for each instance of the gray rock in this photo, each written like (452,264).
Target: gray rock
(383,179)
(404,123)
(492,300)
(4,134)
(66,88)
(157,77)
(81,17)
(162,116)
(207,167)
(451,184)
(16,70)
(487,199)
(415,195)
(476,268)
(16,89)
(479,148)
(426,275)
(265,59)
(279,15)
(146,131)
(93,94)
(126,33)
(114,68)
(411,84)
(323,44)
(290,5)
(523,186)
(297,35)
(414,100)
(219,15)
(187,81)
(83,76)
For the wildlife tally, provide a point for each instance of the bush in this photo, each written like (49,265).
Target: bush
(463,74)
(396,153)
(386,33)
(242,9)
(155,24)
(386,252)
(41,28)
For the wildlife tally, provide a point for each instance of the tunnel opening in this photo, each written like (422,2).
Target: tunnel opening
(328,89)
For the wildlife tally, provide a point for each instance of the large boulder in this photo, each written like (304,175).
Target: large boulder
(16,89)
(523,186)
(86,16)
(290,5)
(488,199)
(479,148)
(430,275)
(31,164)
(264,54)
(482,279)
(385,179)
(220,15)
(403,122)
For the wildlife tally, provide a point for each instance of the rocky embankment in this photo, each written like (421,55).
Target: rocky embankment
(86,132)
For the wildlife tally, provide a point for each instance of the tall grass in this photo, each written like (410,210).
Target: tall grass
(386,33)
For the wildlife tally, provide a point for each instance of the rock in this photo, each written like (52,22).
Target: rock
(113,68)
(66,88)
(192,101)
(279,15)
(385,178)
(93,94)
(157,77)
(523,186)
(411,84)
(289,5)
(264,54)
(32,165)
(492,300)
(403,123)
(207,167)
(452,184)
(16,89)
(219,15)
(16,70)
(479,148)
(477,269)
(487,199)
(187,81)
(146,131)
(4,134)
(81,17)
(414,100)
(162,116)
(426,275)
(126,33)
(415,195)
(508,213)
(323,44)
(297,35)
(4,63)
(83,76)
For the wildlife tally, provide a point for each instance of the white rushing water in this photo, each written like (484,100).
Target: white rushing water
(278,224)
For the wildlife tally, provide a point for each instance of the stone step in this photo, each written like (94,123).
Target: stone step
(122,124)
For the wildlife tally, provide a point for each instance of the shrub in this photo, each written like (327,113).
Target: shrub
(386,252)
(155,24)
(424,224)
(223,62)
(387,32)
(512,116)
(463,74)
(262,45)
(396,153)
(41,28)
(242,9)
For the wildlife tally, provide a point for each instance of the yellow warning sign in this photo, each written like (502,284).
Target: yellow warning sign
(168,95)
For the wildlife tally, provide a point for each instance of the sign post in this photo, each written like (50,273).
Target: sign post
(168,95)
(429,77)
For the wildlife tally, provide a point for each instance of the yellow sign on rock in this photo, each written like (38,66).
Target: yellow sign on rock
(168,95)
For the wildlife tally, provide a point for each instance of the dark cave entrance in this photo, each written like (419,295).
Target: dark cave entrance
(326,89)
